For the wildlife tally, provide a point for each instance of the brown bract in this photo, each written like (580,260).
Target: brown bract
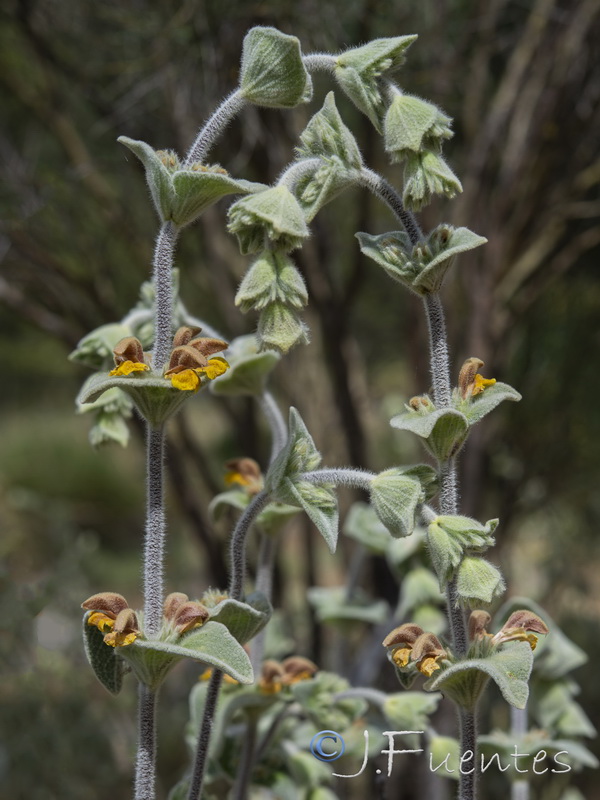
(404,634)
(478,623)
(110,603)
(172,602)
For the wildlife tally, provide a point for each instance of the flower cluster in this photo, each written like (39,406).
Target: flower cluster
(410,644)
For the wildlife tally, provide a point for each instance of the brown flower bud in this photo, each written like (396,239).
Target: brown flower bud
(185,357)
(427,646)
(297,668)
(478,623)
(466,377)
(128,349)
(126,622)
(185,334)
(172,602)
(246,472)
(207,346)
(527,620)
(404,634)
(271,671)
(108,602)
(190,615)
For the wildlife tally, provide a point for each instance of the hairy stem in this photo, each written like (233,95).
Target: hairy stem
(264,584)
(385,191)
(163,289)
(154,543)
(244,775)
(297,170)
(212,695)
(467,789)
(319,62)
(360,479)
(214,127)
(438,351)
(145,765)
(238,544)
(276,422)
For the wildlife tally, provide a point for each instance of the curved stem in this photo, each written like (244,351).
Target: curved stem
(276,422)
(214,127)
(341,476)
(378,185)
(238,544)
(163,290)
(154,540)
(212,695)
(297,170)
(145,765)
(319,62)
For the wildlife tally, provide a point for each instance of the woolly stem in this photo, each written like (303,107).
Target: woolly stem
(214,127)
(264,584)
(438,351)
(212,695)
(297,170)
(319,62)
(163,290)
(378,185)
(238,544)
(360,479)
(145,765)
(154,541)
(467,789)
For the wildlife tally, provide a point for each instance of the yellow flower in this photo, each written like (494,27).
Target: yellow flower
(521,626)
(111,615)
(246,473)
(401,656)
(470,382)
(127,367)
(428,666)
(481,383)
(101,621)
(409,642)
(190,361)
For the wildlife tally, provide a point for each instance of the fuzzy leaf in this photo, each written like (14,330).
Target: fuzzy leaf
(108,667)
(195,191)
(158,177)
(509,668)
(326,136)
(318,698)
(363,525)
(298,455)
(440,748)
(410,710)
(272,72)
(420,587)
(321,508)
(395,498)
(109,429)
(243,620)
(332,605)
(95,350)
(426,174)
(274,213)
(444,430)
(477,407)
(248,368)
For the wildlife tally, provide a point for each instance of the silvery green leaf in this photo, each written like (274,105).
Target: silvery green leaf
(326,136)
(395,498)
(400,550)
(280,328)
(444,243)
(107,665)
(153,396)
(363,525)
(321,185)
(274,214)
(444,430)
(272,72)
(412,124)
(319,699)
(450,536)
(158,176)
(426,174)
(333,605)
(299,454)
(509,668)
(233,498)
(478,582)
(410,710)
(196,190)
(243,620)
(109,428)
(248,368)
(321,507)
(272,278)
(95,350)
(211,644)
(357,72)
(445,553)
(475,408)
(419,587)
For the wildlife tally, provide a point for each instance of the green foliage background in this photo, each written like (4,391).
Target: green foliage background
(76,242)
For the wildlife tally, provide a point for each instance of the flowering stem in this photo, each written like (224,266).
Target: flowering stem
(244,775)
(467,789)
(385,191)
(154,542)
(212,695)
(145,766)
(214,127)
(163,290)
(438,349)
(264,584)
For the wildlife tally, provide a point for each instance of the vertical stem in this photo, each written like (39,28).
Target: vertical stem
(264,584)
(276,422)
(212,695)
(145,766)
(214,127)
(163,289)
(246,765)
(438,349)
(154,543)
(468,740)
(518,729)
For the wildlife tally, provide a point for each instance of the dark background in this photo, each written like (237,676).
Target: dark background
(76,241)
